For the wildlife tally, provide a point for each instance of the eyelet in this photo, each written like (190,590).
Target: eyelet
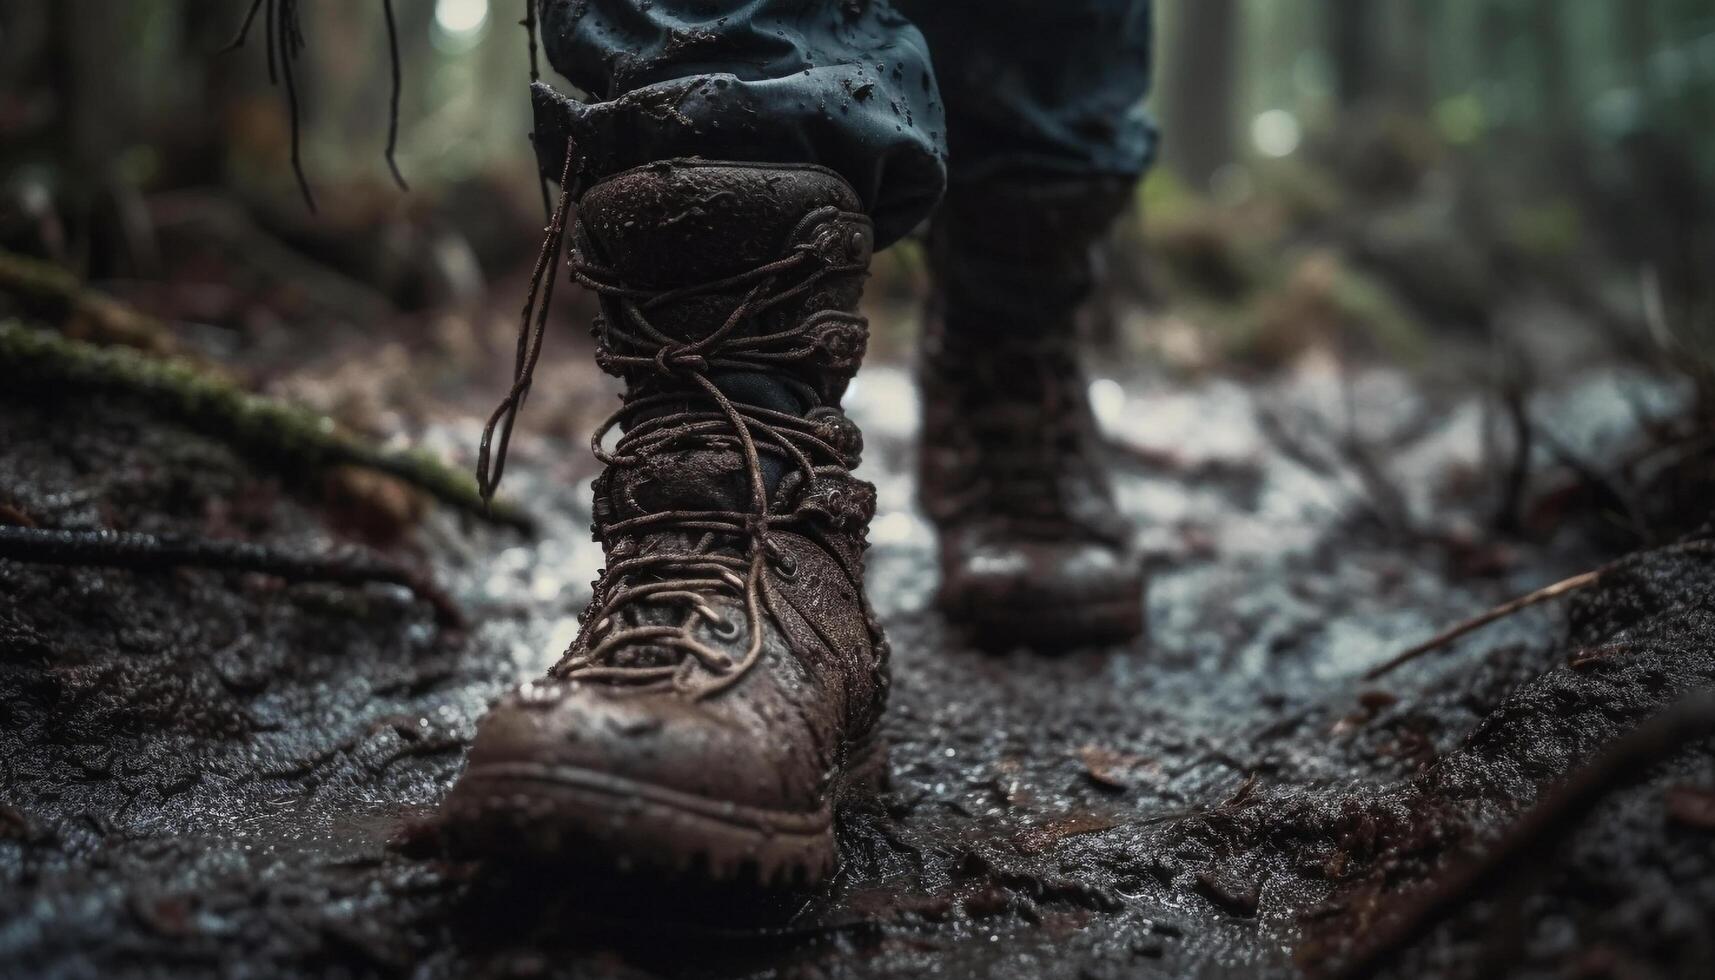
(724,629)
(786,567)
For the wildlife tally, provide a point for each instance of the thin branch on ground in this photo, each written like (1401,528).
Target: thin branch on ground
(1505,609)
(282,437)
(1542,828)
(120,549)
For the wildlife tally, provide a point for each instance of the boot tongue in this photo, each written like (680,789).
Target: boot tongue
(695,479)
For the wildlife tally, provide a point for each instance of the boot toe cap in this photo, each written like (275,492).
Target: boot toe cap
(1044,594)
(584,773)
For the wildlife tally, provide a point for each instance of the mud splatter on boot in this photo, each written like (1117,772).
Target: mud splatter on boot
(723,693)
(1033,550)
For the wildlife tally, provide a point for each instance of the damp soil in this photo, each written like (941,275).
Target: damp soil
(213,773)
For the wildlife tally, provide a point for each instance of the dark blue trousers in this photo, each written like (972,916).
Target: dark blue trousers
(899,97)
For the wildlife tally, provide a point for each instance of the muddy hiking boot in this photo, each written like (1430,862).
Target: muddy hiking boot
(1033,550)
(723,695)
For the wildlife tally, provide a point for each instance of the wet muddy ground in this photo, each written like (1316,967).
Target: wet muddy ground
(206,772)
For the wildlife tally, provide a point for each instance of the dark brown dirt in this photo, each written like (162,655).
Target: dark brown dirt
(210,773)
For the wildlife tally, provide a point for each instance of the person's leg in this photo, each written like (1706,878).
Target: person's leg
(1042,91)
(723,692)
(1047,136)
(846,85)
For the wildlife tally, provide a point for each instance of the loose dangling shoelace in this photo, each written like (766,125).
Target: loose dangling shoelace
(670,422)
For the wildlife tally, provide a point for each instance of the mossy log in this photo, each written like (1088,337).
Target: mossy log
(55,293)
(282,437)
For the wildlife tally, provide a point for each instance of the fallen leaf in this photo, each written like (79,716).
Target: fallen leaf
(1692,806)
(1114,769)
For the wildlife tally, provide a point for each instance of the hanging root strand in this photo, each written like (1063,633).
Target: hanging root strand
(393,106)
(243,29)
(283,36)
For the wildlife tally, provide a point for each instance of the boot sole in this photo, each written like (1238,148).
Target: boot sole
(530,812)
(1063,626)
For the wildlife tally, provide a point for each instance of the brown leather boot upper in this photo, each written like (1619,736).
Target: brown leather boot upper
(1033,549)
(729,674)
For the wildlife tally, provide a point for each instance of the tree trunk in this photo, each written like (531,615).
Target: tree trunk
(1352,37)
(1201,103)
(1411,79)
(1554,84)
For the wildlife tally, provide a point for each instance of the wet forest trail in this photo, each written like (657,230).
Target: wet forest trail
(212,772)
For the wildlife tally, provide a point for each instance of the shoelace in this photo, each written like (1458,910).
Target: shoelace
(691,413)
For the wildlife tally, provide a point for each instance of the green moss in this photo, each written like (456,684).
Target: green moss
(1163,196)
(57,293)
(1546,231)
(283,437)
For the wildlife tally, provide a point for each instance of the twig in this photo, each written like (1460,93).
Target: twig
(283,437)
(121,549)
(1505,609)
(1543,827)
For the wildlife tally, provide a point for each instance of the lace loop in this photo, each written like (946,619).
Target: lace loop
(687,558)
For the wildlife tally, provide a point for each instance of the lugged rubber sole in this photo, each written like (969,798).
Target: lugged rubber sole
(524,811)
(1063,626)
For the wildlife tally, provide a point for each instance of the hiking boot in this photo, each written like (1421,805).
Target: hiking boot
(1033,550)
(722,696)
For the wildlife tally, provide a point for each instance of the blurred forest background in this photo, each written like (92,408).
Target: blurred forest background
(1374,170)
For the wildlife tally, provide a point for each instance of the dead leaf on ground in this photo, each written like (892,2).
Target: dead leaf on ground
(1041,837)
(1115,769)
(1692,806)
